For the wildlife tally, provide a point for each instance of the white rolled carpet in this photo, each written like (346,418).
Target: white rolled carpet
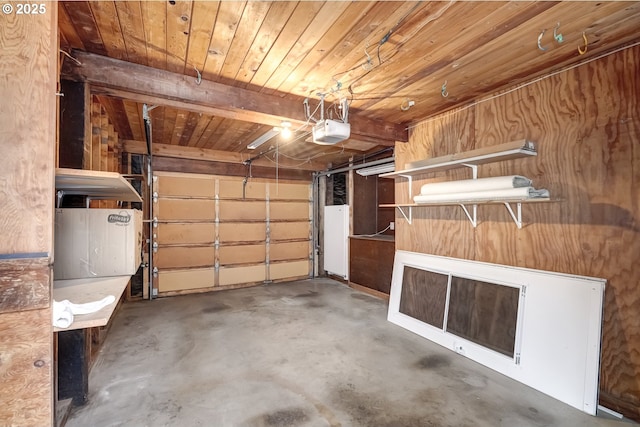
(502,194)
(480,184)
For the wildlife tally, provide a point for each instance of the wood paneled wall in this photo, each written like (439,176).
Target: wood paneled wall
(102,150)
(28,66)
(101,146)
(586,123)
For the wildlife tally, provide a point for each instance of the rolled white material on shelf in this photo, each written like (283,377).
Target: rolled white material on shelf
(480,184)
(478,196)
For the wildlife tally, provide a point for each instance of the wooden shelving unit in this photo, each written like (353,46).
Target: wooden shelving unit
(470,159)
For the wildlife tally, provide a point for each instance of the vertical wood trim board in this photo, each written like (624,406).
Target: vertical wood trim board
(25,284)
(29,69)
(586,125)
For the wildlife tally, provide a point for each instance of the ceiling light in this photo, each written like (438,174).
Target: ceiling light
(286,129)
(264,138)
(377,169)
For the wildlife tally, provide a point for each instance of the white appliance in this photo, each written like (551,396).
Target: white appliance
(336,239)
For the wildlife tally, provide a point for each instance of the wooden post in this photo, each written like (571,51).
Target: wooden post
(72,124)
(28,64)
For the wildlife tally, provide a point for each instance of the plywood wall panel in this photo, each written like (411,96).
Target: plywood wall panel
(170,234)
(289,250)
(186,186)
(26,371)
(29,70)
(242,254)
(445,135)
(185,256)
(242,232)
(288,210)
(286,270)
(244,274)
(178,280)
(26,144)
(586,123)
(290,230)
(186,209)
(233,189)
(279,191)
(243,210)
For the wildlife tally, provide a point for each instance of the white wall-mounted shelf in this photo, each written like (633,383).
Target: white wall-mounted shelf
(472,215)
(471,159)
(95,185)
(508,151)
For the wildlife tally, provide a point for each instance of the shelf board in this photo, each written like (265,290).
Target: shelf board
(468,202)
(80,291)
(95,184)
(507,151)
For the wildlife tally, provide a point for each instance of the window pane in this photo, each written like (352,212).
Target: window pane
(485,313)
(424,295)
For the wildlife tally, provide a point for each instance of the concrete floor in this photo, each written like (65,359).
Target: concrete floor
(309,353)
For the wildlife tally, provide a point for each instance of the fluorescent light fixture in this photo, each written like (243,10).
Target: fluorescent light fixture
(284,130)
(377,169)
(264,138)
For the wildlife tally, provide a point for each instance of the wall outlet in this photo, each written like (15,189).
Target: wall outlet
(392,225)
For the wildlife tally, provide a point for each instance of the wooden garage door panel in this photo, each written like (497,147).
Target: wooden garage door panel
(244,274)
(290,230)
(282,191)
(288,210)
(233,190)
(178,280)
(186,233)
(242,210)
(242,232)
(186,186)
(182,257)
(188,209)
(242,254)
(289,250)
(284,270)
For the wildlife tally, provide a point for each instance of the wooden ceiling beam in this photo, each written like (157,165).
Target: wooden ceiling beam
(194,153)
(121,79)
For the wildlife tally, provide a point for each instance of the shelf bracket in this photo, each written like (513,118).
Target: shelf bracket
(60,196)
(474,169)
(408,218)
(473,219)
(409,185)
(517,217)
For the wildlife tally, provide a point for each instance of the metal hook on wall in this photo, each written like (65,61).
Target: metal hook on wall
(540,41)
(557,35)
(199,78)
(582,51)
(444,91)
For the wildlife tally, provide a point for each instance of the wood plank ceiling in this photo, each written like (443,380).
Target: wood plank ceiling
(378,55)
